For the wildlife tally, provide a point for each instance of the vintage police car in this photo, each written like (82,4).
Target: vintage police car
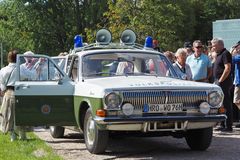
(109,87)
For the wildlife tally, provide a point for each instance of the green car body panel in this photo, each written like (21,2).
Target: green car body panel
(93,103)
(58,110)
(62,112)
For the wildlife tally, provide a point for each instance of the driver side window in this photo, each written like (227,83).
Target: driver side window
(35,68)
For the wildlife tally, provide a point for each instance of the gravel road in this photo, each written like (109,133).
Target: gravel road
(225,146)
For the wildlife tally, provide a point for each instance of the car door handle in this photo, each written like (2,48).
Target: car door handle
(23,86)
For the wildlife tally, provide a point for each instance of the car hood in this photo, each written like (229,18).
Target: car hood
(98,86)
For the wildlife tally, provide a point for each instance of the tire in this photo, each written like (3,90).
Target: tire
(57,131)
(95,140)
(199,139)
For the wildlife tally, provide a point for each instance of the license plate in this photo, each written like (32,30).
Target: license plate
(163,108)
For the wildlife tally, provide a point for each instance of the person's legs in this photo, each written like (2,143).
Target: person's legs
(236,98)
(236,101)
(11,105)
(22,133)
(7,110)
(227,103)
(13,135)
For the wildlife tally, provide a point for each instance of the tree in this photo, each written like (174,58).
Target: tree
(10,35)
(48,26)
(170,23)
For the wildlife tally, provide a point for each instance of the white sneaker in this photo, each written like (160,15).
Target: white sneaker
(13,136)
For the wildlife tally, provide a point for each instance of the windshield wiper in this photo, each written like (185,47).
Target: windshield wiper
(122,74)
(100,73)
(139,74)
(148,74)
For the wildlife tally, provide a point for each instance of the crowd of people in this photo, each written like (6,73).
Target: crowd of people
(212,64)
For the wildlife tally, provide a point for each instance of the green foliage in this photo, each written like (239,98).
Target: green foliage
(10,35)
(170,23)
(31,149)
(49,26)
(121,15)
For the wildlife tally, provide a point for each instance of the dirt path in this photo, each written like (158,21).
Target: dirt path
(71,147)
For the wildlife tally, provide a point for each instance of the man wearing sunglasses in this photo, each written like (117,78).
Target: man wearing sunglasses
(199,63)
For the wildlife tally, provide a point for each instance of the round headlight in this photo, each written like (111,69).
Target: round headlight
(127,109)
(113,101)
(215,98)
(204,107)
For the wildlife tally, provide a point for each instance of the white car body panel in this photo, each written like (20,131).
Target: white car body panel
(95,87)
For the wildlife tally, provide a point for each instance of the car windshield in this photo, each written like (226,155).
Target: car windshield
(127,64)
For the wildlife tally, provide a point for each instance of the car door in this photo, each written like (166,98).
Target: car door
(44,95)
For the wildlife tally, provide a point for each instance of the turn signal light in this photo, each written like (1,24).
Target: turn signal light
(101,113)
(221,110)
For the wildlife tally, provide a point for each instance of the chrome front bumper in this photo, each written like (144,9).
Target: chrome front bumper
(159,123)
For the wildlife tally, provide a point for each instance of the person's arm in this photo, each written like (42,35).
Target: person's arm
(236,59)
(209,70)
(189,72)
(209,73)
(226,72)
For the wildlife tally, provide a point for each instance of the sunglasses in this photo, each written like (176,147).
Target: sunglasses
(198,47)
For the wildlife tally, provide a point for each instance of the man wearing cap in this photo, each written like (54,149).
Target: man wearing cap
(27,70)
(223,78)
(236,62)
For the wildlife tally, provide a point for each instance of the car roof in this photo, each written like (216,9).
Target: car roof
(120,50)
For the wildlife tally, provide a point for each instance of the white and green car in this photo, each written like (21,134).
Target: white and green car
(109,87)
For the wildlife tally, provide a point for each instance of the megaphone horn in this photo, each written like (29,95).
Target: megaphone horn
(128,37)
(103,36)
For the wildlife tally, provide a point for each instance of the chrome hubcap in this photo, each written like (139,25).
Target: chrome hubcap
(52,128)
(90,131)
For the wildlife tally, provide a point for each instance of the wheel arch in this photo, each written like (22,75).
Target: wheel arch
(85,104)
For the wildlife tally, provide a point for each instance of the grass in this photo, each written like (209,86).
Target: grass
(31,149)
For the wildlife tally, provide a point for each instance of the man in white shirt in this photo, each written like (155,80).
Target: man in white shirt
(8,76)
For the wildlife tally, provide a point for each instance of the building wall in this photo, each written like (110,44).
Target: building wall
(228,30)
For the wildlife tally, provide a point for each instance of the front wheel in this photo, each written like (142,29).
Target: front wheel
(57,131)
(96,140)
(199,139)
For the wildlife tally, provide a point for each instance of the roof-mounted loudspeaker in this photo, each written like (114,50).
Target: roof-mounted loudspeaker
(128,37)
(103,36)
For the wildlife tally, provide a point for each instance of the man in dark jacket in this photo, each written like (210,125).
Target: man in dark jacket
(222,76)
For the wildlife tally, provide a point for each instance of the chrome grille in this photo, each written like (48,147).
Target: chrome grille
(190,99)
